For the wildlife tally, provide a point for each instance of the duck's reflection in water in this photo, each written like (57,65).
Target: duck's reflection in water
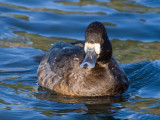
(88,105)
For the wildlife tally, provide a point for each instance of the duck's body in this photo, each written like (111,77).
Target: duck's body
(65,70)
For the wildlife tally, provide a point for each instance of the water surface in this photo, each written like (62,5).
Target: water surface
(28,28)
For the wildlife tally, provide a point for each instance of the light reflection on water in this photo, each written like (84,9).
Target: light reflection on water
(133,28)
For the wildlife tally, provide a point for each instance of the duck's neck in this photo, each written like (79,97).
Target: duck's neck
(105,59)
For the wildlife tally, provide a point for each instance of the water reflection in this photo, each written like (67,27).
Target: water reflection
(132,6)
(96,105)
(123,18)
(45,94)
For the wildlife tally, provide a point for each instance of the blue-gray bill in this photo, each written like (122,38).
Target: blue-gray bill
(90,59)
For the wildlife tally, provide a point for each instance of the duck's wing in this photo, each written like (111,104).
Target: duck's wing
(61,60)
(64,56)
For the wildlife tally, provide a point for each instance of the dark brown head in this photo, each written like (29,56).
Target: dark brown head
(97,45)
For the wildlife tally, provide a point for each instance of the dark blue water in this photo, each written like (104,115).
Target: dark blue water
(29,27)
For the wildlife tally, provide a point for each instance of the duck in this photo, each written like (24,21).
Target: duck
(83,69)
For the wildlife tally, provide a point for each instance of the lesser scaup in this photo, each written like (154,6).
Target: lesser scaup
(83,69)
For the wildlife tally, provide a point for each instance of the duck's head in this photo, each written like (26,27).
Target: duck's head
(97,45)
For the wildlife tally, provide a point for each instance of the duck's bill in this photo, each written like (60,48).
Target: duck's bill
(90,59)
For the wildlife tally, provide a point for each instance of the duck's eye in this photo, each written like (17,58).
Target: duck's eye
(102,41)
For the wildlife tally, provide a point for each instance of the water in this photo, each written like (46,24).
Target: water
(29,27)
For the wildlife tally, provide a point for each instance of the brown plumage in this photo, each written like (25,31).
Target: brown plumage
(60,68)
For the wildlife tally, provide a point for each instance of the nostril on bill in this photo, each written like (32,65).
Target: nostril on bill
(85,66)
